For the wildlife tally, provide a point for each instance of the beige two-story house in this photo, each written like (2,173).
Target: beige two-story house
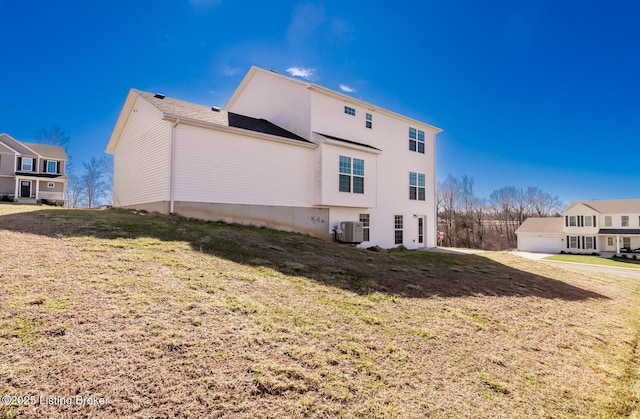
(31,173)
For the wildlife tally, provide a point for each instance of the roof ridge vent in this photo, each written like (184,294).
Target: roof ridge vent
(216,109)
(159,96)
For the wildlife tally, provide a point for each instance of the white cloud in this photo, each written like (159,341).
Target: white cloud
(305,22)
(231,71)
(204,5)
(305,73)
(347,89)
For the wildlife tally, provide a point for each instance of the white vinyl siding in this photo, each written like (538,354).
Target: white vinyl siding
(277,100)
(222,167)
(142,158)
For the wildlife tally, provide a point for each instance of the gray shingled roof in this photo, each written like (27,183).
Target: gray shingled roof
(47,151)
(541,225)
(50,151)
(331,137)
(612,206)
(181,109)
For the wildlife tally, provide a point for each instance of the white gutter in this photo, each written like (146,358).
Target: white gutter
(172,165)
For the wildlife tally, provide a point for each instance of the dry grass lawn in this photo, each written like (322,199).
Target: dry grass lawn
(166,317)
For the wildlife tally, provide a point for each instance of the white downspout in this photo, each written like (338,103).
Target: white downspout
(172,165)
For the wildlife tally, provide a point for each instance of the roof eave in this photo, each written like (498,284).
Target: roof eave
(238,131)
(121,121)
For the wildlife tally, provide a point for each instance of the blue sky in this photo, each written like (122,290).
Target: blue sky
(529,93)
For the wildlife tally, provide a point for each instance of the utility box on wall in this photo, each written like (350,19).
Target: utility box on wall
(351,231)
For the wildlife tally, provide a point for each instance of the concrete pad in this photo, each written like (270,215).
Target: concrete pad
(531,255)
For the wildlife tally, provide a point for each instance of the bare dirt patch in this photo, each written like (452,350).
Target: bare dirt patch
(167,317)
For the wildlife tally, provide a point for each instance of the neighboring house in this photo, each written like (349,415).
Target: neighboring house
(283,153)
(31,172)
(585,227)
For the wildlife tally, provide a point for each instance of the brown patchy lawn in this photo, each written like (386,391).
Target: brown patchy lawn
(169,317)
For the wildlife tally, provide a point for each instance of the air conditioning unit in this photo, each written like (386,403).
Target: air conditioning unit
(351,231)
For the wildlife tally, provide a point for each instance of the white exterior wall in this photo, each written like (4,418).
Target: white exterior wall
(222,167)
(391,135)
(142,158)
(326,179)
(540,242)
(277,100)
(616,220)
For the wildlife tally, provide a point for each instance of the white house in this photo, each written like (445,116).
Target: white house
(585,227)
(283,153)
(30,173)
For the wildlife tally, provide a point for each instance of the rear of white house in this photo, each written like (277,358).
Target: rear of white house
(283,153)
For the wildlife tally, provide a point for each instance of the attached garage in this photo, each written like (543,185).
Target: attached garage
(540,235)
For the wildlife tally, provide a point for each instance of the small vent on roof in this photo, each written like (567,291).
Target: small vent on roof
(215,109)
(274,71)
(159,96)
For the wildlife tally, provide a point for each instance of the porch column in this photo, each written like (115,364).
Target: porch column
(15,195)
(37,187)
(617,244)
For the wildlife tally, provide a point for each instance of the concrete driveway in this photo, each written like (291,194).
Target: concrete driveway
(626,272)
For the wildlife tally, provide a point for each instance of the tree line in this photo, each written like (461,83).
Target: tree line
(465,220)
(87,186)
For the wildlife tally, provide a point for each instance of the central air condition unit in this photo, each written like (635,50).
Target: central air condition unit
(351,231)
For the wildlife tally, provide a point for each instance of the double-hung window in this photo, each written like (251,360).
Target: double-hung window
(27,164)
(417,186)
(351,175)
(624,221)
(608,221)
(416,140)
(368,123)
(52,166)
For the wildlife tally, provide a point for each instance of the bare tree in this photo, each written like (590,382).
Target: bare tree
(53,135)
(448,195)
(75,191)
(94,181)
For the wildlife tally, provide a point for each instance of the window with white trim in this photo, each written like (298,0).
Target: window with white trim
(27,164)
(368,123)
(608,221)
(350,111)
(417,186)
(588,242)
(626,242)
(416,140)
(624,221)
(365,220)
(609,241)
(572,221)
(398,226)
(52,166)
(573,242)
(351,175)
(588,221)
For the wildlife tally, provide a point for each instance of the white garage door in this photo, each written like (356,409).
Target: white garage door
(538,244)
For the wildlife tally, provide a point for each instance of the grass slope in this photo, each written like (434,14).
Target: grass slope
(164,316)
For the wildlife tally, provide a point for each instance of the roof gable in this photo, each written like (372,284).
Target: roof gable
(206,116)
(48,151)
(611,206)
(321,90)
(33,149)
